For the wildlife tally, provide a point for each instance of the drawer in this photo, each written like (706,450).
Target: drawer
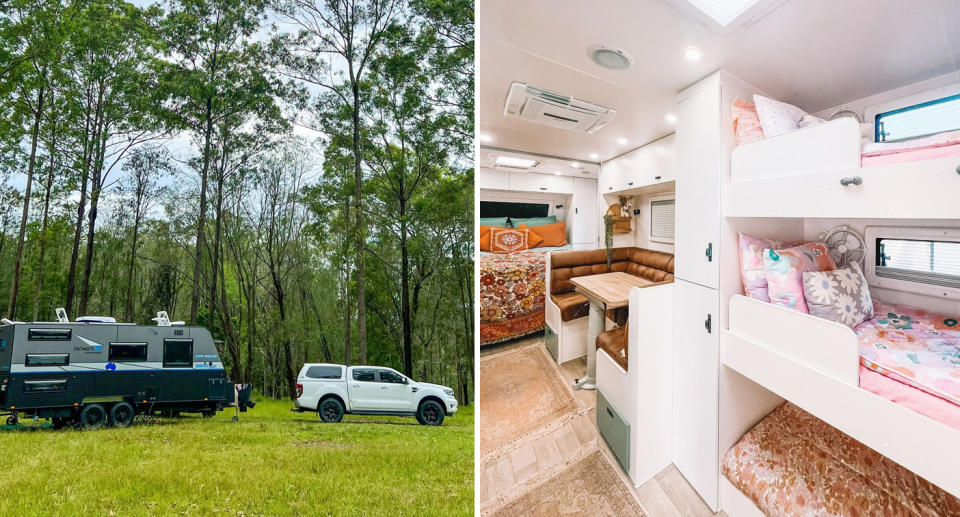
(552,341)
(615,430)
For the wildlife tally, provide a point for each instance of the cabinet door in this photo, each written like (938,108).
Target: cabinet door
(666,151)
(583,220)
(611,175)
(493,179)
(535,182)
(698,187)
(696,388)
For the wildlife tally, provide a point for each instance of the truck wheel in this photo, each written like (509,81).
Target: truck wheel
(121,414)
(59,422)
(12,420)
(331,410)
(92,417)
(430,413)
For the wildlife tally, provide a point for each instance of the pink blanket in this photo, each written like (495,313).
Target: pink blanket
(944,139)
(911,155)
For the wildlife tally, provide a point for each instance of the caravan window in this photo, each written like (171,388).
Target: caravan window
(47,360)
(45,385)
(919,120)
(49,334)
(925,261)
(178,353)
(128,352)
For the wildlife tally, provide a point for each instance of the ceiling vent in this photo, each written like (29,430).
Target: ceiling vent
(555,109)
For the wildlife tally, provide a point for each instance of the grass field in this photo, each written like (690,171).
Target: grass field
(271,462)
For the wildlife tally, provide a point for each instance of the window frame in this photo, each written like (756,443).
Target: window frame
(381,371)
(34,334)
(874,234)
(26,359)
(144,344)
(878,118)
(167,364)
(61,383)
(338,368)
(660,199)
(353,375)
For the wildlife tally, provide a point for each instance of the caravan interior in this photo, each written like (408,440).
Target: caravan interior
(758,268)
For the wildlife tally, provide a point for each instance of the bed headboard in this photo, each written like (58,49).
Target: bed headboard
(514,209)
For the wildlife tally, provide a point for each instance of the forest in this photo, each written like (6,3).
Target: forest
(294,175)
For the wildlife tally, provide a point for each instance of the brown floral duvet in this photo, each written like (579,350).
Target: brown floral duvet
(512,295)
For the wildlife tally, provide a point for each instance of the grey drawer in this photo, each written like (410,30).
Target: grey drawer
(615,430)
(552,340)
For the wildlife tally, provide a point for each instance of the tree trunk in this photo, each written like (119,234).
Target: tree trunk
(405,294)
(347,313)
(128,304)
(17,263)
(96,186)
(360,235)
(43,229)
(202,216)
(88,146)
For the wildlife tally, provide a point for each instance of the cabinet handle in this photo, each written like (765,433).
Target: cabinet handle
(543,188)
(708,324)
(610,412)
(851,180)
(609,188)
(657,177)
(630,183)
(709,252)
(958,169)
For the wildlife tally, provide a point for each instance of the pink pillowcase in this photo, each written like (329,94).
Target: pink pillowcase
(746,122)
(784,270)
(752,274)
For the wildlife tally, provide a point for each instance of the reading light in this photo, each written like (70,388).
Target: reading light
(609,57)
(517,163)
(594,156)
(692,54)
(671,118)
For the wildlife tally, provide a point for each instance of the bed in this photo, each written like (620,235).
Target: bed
(792,463)
(927,148)
(512,295)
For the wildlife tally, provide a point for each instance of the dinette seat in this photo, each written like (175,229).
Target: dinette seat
(614,343)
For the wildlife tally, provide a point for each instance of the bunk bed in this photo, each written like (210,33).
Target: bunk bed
(816,364)
(830,173)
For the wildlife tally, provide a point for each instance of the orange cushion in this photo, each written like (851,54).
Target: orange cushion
(509,240)
(533,239)
(484,237)
(554,234)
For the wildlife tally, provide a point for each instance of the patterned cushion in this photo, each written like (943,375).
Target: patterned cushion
(751,264)
(785,268)
(509,240)
(777,118)
(746,124)
(841,295)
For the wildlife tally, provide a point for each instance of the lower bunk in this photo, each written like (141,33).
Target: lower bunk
(792,463)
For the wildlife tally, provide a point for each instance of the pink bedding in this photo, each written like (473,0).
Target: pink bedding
(918,400)
(910,155)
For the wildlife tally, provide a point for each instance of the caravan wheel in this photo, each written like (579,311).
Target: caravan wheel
(121,414)
(92,417)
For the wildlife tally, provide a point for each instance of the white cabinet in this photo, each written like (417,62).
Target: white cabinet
(583,223)
(492,179)
(648,165)
(698,153)
(535,182)
(696,388)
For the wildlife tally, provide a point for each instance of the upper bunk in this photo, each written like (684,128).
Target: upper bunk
(822,171)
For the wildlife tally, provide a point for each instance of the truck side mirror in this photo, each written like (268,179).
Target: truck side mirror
(406,380)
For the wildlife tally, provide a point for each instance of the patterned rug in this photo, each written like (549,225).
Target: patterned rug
(528,394)
(587,487)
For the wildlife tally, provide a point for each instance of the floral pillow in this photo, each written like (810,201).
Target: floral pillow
(509,240)
(751,264)
(841,295)
(785,268)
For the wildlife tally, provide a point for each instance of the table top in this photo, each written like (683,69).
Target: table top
(611,289)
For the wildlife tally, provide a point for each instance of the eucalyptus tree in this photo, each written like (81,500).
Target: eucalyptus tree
(340,35)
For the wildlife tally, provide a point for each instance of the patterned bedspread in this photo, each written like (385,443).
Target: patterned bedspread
(918,348)
(512,295)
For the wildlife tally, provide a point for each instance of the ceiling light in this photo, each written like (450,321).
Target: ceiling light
(622,141)
(609,57)
(671,118)
(575,165)
(723,11)
(594,156)
(483,137)
(692,54)
(518,163)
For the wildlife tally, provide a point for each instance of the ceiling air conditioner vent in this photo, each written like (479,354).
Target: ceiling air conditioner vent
(555,109)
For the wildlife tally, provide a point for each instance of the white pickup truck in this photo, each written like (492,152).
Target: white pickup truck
(333,390)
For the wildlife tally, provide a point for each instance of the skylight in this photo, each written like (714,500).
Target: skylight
(723,12)
(517,163)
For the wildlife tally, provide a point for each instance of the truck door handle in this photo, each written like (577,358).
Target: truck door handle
(384,387)
(414,390)
(356,385)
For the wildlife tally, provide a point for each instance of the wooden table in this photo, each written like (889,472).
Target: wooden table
(604,291)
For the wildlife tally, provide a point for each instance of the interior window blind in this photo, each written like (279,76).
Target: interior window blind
(916,121)
(928,262)
(662,218)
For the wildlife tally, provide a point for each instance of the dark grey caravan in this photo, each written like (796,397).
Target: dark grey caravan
(94,371)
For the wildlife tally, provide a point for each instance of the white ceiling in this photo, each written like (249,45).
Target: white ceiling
(813,53)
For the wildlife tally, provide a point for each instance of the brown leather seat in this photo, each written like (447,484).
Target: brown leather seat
(572,305)
(614,343)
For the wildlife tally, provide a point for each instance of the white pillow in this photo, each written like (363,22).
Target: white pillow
(809,120)
(777,118)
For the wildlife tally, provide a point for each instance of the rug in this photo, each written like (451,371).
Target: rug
(590,486)
(527,393)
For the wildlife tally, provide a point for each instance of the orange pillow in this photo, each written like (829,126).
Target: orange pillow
(746,122)
(554,234)
(485,237)
(509,240)
(533,239)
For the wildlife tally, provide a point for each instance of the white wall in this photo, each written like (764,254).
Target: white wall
(938,87)
(639,235)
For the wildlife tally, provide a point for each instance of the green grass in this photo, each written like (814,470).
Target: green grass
(271,462)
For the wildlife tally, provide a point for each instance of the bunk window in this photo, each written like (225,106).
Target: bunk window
(662,219)
(128,352)
(919,120)
(45,385)
(47,360)
(178,353)
(925,261)
(42,334)
(325,372)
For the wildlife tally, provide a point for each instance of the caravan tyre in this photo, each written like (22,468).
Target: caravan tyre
(92,417)
(331,410)
(121,414)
